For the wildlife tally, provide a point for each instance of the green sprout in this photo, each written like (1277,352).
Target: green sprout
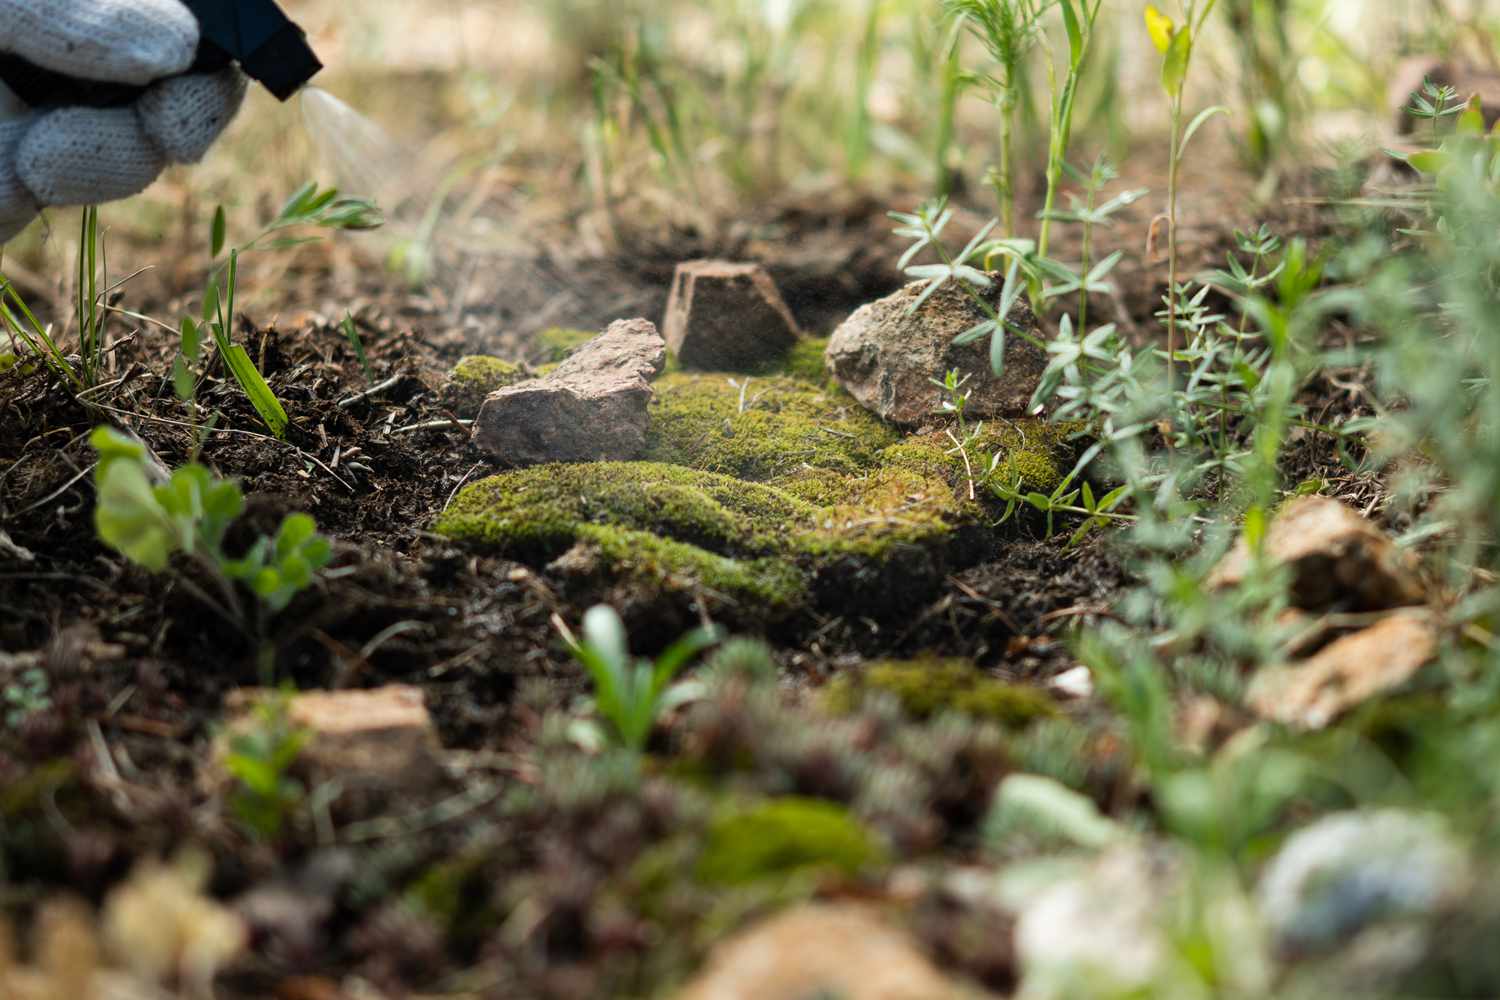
(149,522)
(630,693)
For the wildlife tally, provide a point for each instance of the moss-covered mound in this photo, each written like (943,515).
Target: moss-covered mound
(1034,452)
(773,492)
(784,837)
(928,688)
(805,360)
(692,530)
(760,428)
(475,377)
(670,525)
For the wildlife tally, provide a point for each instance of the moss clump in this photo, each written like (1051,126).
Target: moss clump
(669,525)
(785,837)
(686,530)
(762,429)
(478,375)
(869,515)
(927,688)
(556,343)
(1033,450)
(805,360)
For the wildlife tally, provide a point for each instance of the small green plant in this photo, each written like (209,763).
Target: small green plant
(955,401)
(308,206)
(1008,30)
(1089,214)
(92,279)
(1079,18)
(25,693)
(351,334)
(259,757)
(630,693)
(150,522)
(1175,43)
(1434,103)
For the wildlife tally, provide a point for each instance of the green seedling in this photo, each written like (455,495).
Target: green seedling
(1079,18)
(260,756)
(92,280)
(1090,214)
(309,206)
(351,334)
(955,401)
(629,693)
(1434,103)
(1008,30)
(1175,43)
(151,522)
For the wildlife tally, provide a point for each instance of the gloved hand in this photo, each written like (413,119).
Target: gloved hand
(84,156)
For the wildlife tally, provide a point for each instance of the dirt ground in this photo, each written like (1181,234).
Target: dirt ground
(113,770)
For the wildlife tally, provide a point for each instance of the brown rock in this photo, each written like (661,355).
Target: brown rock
(1468,81)
(886,357)
(820,950)
(592,407)
(382,733)
(1347,672)
(1338,558)
(728,317)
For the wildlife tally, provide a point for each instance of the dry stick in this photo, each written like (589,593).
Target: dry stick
(374,390)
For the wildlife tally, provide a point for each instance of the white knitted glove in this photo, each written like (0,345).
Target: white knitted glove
(83,156)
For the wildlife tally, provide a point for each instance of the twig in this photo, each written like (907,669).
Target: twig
(54,494)
(374,390)
(434,425)
(447,503)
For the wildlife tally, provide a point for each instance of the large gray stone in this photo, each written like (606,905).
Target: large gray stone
(591,408)
(887,356)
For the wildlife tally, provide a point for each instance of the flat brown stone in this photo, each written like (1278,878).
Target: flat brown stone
(591,408)
(886,357)
(384,732)
(1338,559)
(1347,672)
(723,316)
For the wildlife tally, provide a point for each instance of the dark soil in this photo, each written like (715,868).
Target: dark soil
(112,771)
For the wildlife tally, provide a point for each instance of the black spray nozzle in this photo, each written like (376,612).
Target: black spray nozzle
(269,47)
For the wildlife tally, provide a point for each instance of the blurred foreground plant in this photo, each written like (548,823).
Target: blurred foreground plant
(149,522)
(629,693)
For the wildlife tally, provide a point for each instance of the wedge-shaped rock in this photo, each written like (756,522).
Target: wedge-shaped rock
(1347,672)
(382,733)
(723,316)
(1338,559)
(887,356)
(592,407)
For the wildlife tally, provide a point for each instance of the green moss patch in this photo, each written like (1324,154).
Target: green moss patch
(927,688)
(557,342)
(805,360)
(1034,450)
(657,522)
(478,375)
(759,428)
(688,529)
(785,837)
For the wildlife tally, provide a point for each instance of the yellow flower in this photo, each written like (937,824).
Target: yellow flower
(1161,28)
